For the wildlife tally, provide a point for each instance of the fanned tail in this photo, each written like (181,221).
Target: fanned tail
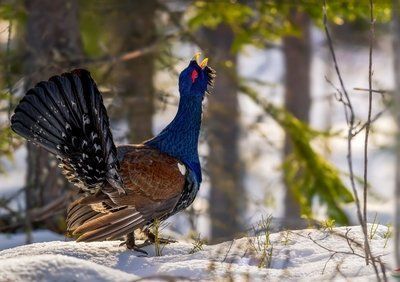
(66,116)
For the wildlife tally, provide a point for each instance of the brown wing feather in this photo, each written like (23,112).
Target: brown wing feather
(153,185)
(150,173)
(79,213)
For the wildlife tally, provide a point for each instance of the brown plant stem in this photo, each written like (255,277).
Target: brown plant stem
(350,119)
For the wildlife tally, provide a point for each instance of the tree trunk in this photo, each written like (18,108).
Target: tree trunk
(134,28)
(396,52)
(52,35)
(297,50)
(227,195)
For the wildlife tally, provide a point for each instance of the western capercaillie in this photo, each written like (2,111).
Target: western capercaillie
(124,187)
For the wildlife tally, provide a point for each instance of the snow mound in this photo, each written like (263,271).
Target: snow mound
(58,268)
(298,255)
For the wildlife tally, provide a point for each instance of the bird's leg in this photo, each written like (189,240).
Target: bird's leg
(131,245)
(152,238)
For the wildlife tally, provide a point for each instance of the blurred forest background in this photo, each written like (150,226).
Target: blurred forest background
(274,138)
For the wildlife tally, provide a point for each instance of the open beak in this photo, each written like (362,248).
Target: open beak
(203,63)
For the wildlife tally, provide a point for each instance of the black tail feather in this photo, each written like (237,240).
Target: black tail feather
(66,116)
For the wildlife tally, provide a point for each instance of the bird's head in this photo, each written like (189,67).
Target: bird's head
(196,77)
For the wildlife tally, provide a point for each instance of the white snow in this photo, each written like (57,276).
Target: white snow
(13,240)
(294,256)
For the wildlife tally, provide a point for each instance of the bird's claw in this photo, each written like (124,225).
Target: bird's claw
(144,244)
(134,247)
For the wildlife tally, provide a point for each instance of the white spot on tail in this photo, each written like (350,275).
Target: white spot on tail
(97,147)
(182,168)
(86,119)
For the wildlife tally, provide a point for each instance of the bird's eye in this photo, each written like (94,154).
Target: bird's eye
(194,75)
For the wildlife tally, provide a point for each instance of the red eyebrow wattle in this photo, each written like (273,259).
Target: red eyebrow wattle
(195,75)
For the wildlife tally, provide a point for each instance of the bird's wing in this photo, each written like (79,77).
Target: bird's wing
(154,183)
(66,116)
(151,174)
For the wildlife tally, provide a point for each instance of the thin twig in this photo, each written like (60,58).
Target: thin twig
(383,269)
(42,213)
(130,55)
(326,263)
(13,196)
(396,96)
(376,117)
(350,118)
(8,80)
(8,69)
(331,250)
(5,206)
(371,90)
(229,249)
(368,123)
(376,259)
(348,239)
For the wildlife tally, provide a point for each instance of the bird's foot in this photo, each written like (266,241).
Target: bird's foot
(145,244)
(134,247)
(152,239)
(131,245)
(138,249)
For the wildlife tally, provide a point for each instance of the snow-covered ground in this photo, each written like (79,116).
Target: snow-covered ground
(306,255)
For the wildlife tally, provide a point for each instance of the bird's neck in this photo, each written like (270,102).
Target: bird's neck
(180,138)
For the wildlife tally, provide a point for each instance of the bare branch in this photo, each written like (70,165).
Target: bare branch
(42,213)
(130,55)
(352,243)
(368,123)
(371,90)
(348,239)
(350,118)
(376,117)
(8,69)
